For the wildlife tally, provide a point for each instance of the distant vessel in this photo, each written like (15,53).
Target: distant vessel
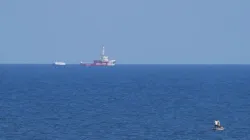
(217,125)
(104,61)
(59,63)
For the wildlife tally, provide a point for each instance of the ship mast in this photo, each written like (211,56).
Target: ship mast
(102,50)
(102,54)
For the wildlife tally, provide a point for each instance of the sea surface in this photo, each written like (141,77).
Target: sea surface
(125,102)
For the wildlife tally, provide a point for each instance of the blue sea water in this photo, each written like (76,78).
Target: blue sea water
(125,102)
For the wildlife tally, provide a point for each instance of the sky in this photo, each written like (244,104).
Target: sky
(132,31)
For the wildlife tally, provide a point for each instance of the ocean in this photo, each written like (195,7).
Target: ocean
(124,102)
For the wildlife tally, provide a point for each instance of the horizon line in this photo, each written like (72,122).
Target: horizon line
(133,64)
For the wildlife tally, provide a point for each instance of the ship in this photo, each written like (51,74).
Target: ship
(59,63)
(103,61)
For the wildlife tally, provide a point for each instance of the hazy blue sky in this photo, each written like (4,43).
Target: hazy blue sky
(133,31)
